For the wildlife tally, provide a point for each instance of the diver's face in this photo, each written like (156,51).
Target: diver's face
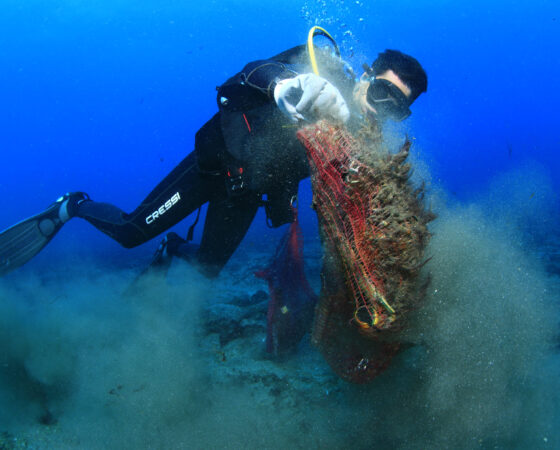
(360,91)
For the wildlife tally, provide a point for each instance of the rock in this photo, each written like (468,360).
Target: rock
(232,321)
(246,300)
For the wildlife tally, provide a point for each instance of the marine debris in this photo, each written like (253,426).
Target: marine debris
(292,300)
(374,230)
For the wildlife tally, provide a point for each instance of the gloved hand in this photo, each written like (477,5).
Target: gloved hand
(310,97)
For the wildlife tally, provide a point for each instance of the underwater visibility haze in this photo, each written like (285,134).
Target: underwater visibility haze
(106,97)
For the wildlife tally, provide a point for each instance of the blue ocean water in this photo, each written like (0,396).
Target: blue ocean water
(106,97)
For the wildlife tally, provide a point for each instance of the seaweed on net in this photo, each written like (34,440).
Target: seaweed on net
(374,228)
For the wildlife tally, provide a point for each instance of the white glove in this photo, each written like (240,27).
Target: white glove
(316,98)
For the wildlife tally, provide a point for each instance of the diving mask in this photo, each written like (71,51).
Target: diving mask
(387,99)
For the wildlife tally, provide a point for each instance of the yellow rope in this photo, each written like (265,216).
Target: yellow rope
(316,30)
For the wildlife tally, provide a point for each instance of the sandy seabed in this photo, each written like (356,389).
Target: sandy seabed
(180,361)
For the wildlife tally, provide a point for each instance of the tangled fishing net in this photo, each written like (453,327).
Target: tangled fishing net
(292,300)
(374,230)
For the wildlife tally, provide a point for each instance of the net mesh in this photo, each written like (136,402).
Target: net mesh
(373,225)
(292,300)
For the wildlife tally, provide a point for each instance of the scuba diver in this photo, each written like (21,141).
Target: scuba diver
(246,156)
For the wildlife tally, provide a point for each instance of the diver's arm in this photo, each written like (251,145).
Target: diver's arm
(299,96)
(263,75)
(253,86)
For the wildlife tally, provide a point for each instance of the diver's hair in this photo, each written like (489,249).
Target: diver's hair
(406,67)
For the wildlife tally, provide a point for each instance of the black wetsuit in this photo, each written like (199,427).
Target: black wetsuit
(247,150)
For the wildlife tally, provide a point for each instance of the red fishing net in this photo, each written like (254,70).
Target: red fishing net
(373,226)
(292,301)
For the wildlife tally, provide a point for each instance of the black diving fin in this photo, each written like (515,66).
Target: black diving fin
(22,241)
